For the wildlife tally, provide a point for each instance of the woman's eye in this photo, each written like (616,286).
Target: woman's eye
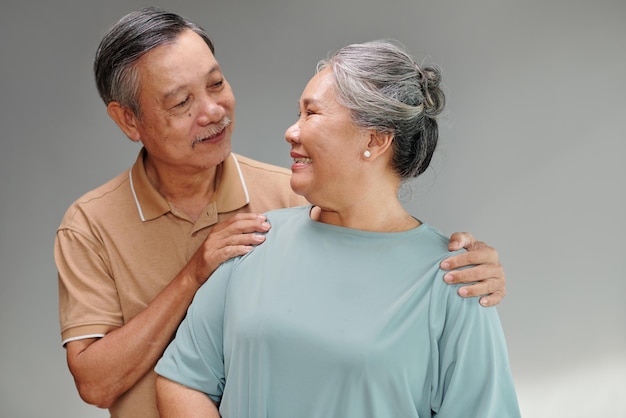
(307,112)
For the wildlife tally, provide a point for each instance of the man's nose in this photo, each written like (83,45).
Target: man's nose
(210,111)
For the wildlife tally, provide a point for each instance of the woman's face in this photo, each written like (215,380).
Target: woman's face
(326,146)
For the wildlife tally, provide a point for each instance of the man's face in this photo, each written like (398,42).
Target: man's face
(187,106)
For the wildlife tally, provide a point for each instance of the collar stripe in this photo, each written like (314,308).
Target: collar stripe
(243,182)
(132,188)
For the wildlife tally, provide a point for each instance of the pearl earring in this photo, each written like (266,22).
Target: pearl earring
(367,153)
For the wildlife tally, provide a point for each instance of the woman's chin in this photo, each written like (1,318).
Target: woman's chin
(298,187)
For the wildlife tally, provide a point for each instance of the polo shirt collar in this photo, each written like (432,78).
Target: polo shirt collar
(231,190)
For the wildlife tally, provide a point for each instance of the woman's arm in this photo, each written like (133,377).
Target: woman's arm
(177,401)
(473,376)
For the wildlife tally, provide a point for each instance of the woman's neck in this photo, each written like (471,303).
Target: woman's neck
(390,217)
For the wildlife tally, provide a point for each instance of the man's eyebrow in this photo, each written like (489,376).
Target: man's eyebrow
(173,92)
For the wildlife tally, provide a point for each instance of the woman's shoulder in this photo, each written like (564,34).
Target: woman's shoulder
(288,214)
(433,242)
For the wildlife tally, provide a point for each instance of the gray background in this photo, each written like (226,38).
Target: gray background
(531,160)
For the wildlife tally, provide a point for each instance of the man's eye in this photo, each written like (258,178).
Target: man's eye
(183,103)
(218,84)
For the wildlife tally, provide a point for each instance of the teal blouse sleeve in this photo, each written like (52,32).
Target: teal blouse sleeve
(470,355)
(195,357)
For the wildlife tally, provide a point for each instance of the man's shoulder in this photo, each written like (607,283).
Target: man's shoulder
(108,197)
(107,189)
(268,185)
(249,164)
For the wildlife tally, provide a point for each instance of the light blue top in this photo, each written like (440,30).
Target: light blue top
(326,321)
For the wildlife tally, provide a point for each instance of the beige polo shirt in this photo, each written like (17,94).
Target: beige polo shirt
(119,245)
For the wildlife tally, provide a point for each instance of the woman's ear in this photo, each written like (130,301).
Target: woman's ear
(125,119)
(379,143)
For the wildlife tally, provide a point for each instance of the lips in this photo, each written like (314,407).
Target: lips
(212,139)
(214,134)
(208,138)
(300,162)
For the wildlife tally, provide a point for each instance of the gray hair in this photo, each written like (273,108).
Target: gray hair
(126,42)
(385,90)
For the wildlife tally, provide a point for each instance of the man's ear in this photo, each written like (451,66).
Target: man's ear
(125,119)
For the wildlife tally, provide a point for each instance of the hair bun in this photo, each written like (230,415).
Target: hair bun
(434,98)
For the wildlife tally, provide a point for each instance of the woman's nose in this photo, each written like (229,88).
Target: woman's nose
(292,135)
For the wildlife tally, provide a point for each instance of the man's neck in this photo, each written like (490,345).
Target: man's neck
(189,192)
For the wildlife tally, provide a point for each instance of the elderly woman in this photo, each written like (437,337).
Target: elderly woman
(343,311)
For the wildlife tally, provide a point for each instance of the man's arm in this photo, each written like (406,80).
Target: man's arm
(105,368)
(177,401)
(485,269)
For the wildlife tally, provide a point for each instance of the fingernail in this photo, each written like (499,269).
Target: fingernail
(266,225)
(483,301)
(463,291)
(445,265)
(448,278)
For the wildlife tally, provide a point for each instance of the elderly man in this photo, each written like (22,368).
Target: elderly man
(132,253)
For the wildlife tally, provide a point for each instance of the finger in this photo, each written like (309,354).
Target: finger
(241,234)
(227,246)
(231,251)
(486,287)
(245,239)
(216,253)
(246,216)
(492,299)
(475,274)
(209,261)
(240,226)
(236,218)
(236,237)
(490,295)
(460,240)
(483,254)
